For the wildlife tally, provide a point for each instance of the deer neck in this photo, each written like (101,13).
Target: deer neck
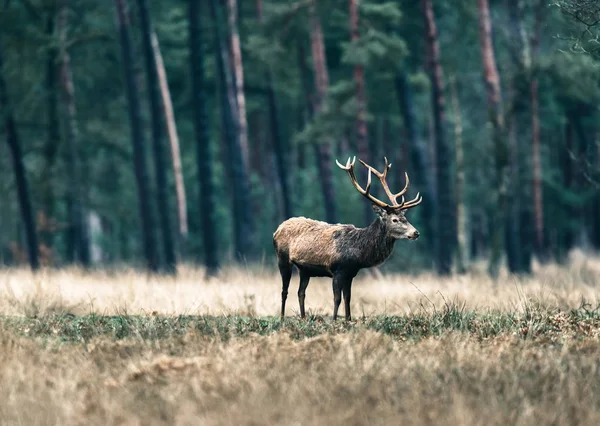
(378,244)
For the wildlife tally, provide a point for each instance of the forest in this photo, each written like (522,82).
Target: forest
(152,133)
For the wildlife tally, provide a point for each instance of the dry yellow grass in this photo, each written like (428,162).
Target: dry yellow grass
(259,292)
(348,375)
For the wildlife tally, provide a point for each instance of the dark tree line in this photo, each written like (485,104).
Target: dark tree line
(492,118)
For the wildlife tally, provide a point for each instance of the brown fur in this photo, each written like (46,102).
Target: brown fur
(304,241)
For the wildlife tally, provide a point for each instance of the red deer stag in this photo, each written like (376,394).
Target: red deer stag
(320,249)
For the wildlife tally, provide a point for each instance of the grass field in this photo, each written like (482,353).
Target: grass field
(122,348)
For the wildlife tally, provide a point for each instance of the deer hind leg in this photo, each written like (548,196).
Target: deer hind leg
(304,279)
(347,290)
(285,269)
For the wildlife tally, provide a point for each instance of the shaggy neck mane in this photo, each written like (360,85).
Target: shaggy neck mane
(374,242)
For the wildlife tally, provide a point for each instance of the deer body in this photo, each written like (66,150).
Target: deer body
(320,249)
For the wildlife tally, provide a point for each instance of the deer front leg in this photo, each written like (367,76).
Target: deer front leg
(339,281)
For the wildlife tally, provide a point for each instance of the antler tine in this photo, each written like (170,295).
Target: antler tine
(349,167)
(382,178)
(348,164)
(405,187)
(414,202)
(387,167)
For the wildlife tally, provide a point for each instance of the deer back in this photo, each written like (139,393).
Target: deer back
(307,242)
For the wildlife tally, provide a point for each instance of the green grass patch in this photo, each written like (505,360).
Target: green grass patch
(536,322)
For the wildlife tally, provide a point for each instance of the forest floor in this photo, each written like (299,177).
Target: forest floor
(121,348)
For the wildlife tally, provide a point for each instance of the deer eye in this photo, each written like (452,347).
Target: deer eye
(395,220)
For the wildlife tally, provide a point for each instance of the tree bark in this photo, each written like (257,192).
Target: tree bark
(242,206)
(323,148)
(137,139)
(520,210)
(495,116)
(78,224)
(50,151)
(278,141)
(238,79)
(14,145)
(535,136)
(173,141)
(445,211)
(153,89)
(569,180)
(459,183)
(513,226)
(420,158)
(201,132)
(362,135)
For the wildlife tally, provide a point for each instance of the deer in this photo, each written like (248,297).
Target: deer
(340,251)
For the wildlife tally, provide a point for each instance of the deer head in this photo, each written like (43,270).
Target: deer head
(392,215)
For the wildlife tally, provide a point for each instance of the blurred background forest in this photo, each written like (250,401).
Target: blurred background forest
(152,132)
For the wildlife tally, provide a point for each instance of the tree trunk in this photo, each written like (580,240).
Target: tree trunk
(513,226)
(492,83)
(445,211)
(153,89)
(14,144)
(50,150)
(568,180)
(323,148)
(520,210)
(278,142)
(238,79)
(420,158)
(242,205)
(535,135)
(137,139)
(78,225)
(362,135)
(461,210)
(173,142)
(201,132)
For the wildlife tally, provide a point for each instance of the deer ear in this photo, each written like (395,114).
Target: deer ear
(379,210)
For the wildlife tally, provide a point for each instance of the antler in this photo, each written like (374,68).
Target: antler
(349,167)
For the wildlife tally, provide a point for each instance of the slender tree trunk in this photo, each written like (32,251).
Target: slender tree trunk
(242,208)
(278,141)
(162,193)
(306,114)
(492,82)
(581,153)
(535,135)
(323,148)
(137,139)
(238,78)
(459,183)
(78,224)
(420,158)
(14,145)
(201,132)
(520,210)
(513,225)
(445,212)
(50,151)
(173,142)
(362,135)
(568,176)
